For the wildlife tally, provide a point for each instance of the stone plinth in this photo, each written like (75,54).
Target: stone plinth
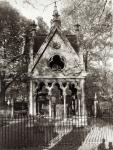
(59,111)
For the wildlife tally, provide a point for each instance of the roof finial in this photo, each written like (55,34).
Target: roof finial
(55,3)
(56,17)
(55,12)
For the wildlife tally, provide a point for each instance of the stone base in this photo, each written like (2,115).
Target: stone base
(78,121)
(81,121)
(59,112)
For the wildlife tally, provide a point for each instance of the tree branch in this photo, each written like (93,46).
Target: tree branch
(103,10)
(14,79)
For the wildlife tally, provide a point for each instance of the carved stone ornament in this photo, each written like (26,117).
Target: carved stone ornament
(56,63)
(56,45)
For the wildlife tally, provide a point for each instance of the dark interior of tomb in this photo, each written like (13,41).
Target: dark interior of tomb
(42,98)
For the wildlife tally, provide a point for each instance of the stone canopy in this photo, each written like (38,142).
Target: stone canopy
(56,60)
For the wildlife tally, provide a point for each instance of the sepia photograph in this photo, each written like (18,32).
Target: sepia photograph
(56,75)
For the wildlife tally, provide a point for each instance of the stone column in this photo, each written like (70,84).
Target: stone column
(32,34)
(31,98)
(65,109)
(50,109)
(83,105)
(79,107)
(79,98)
(64,95)
(95,105)
(83,117)
(49,93)
(31,54)
(34,99)
(37,103)
(12,108)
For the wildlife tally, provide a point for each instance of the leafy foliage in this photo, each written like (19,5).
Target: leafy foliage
(96,25)
(95,19)
(42,26)
(14,51)
(12,27)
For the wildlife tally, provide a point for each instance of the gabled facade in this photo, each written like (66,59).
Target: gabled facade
(56,72)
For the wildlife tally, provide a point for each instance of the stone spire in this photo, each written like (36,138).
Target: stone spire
(56,22)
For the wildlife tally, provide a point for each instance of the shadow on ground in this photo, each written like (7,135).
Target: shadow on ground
(73,140)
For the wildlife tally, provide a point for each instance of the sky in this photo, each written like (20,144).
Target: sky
(37,8)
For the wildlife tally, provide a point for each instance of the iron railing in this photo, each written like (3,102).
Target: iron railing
(46,133)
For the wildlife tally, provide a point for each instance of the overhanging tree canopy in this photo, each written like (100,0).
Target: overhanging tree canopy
(12,27)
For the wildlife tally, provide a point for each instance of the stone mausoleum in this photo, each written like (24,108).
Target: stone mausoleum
(56,73)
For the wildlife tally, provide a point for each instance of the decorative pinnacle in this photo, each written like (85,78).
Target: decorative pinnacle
(56,17)
(33,25)
(55,3)
(55,12)
(33,28)
(77,27)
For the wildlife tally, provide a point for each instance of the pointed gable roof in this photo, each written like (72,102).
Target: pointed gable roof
(41,42)
(39,39)
(45,40)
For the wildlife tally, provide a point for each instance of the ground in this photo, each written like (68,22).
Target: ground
(101,128)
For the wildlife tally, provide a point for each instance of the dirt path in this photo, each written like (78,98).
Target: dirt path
(101,129)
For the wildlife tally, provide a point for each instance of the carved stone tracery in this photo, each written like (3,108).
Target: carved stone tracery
(64,85)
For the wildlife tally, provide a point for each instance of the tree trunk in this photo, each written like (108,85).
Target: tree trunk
(2,94)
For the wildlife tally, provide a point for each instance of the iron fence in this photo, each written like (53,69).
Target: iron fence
(28,132)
